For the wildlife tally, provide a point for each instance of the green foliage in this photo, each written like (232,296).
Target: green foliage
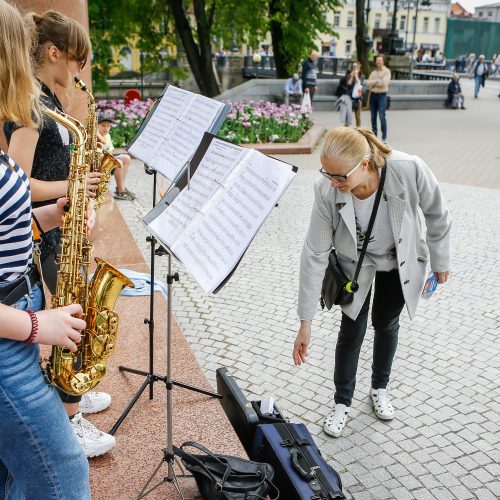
(302,23)
(120,23)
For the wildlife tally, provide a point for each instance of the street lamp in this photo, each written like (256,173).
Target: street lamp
(256,58)
(425,3)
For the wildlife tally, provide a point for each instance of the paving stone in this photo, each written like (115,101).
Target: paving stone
(444,385)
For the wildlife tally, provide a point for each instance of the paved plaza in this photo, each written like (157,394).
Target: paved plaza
(445,440)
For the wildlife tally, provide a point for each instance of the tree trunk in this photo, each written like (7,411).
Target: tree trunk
(277,40)
(361,47)
(199,55)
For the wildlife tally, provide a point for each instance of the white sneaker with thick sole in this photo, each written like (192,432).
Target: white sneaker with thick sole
(94,402)
(336,420)
(381,404)
(93,441)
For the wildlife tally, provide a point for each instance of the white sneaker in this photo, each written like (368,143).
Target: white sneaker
(336,420)
(381,404)
(94,402)
(93,441)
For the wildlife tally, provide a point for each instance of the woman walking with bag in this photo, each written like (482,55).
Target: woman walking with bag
(39,455)
(396,254)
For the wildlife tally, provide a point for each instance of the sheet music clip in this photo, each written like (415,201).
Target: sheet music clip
(148,170)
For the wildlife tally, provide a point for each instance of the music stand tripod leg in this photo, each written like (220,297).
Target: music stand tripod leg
(151,377)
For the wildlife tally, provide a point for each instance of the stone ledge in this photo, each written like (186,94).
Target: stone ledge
(305,145)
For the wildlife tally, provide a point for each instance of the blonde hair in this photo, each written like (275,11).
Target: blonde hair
(59,30)
(354,145)
(19,92)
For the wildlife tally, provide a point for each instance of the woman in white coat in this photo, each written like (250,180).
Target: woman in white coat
(396,256)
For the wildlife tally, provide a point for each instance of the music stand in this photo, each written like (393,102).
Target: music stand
(168,452)
(150,376)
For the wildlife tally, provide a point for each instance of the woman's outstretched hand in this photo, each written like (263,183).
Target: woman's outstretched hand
(301,343)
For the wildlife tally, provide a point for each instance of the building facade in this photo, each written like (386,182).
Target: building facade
(430,25)
(488,12)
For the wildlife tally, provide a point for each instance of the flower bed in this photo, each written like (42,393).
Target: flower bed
(127,118)
(264,122)
(247,122)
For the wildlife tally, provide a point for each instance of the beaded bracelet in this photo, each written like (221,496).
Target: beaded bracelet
(34,327)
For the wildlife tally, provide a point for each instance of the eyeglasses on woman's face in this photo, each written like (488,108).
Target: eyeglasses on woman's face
(82,62)
(339,177)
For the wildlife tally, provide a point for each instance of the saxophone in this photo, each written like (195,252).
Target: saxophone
(103,162)
(79,372)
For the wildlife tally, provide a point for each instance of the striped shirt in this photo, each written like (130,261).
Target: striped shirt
(15,220)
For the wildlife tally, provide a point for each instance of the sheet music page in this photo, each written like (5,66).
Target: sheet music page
(184,139)
(219,160)
(162,121)
(214,244)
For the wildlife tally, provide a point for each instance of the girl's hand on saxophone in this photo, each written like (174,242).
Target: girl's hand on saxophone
(61,326)
(93,179)
(90,217)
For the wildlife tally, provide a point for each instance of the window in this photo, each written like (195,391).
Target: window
(350,17)
(378,19)
(480,14)
(437,22)
(388,24)
(348,47)
(336,20)
(426,25)
(414,23)
(490,13)
(402,23)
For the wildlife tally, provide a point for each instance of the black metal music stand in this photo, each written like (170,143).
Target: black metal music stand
(150,376)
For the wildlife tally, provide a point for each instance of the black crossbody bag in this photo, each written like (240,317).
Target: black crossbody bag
(337,288)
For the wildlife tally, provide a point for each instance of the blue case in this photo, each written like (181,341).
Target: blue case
(301,472)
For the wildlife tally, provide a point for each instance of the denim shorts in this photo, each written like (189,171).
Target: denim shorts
(39,454)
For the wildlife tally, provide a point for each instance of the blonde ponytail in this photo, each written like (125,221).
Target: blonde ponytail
(354,145)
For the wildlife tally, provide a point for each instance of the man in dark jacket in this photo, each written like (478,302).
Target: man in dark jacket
(309,73)
(455,96)
(479,71)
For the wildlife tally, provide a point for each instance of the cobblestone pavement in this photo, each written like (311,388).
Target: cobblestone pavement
(445,441)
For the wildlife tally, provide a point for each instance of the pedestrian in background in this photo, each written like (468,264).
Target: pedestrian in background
(455,95)
(396,259)
(357,92)
(310,74)
(378,83)
(293,89)
(344,101)
(479,71)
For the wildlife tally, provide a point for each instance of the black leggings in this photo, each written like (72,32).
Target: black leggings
(388,302)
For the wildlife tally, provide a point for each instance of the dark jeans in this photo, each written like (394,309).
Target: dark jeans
(378,104)
(388,303)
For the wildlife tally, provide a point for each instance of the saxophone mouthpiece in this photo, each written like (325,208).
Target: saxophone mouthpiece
(79,83)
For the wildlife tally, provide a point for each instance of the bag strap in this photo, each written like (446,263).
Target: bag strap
(354,284)
(219,483)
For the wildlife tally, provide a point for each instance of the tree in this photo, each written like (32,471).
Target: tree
(294,27)
(361,35)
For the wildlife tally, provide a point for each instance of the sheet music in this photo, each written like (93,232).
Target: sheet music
(218,235)
(175,130)
(162,121)
(213,170)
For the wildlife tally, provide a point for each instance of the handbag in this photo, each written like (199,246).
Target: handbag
(224,477)
(337,288)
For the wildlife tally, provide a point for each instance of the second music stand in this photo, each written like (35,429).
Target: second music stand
(150,376)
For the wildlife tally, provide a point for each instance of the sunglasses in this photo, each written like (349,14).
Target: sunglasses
(337,177)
